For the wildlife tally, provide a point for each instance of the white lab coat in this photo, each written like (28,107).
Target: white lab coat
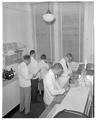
(51,88)
(23,75)
(66,70)
(33,67)
(64,79)
(44,68)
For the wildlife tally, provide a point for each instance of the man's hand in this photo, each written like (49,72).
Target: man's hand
(34,75)
(67,88)
(63,90)
(70,75)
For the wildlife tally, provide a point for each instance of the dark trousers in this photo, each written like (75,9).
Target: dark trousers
(34,90)
(46,106)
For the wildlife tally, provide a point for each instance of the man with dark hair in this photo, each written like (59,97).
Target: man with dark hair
(43,57)
(25,84)
(69,57)
(34,69)
(32,52)
(26,57)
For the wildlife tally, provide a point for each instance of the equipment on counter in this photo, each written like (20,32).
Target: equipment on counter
(8,74)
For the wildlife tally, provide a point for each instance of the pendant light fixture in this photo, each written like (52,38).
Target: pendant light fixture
(48,17)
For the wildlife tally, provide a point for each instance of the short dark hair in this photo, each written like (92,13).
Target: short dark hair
(26,57)
(43,56)
(32,52)
(70,55)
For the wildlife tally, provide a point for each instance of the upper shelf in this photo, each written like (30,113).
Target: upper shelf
(12,53)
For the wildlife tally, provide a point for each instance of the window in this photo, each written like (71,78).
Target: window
(72,29)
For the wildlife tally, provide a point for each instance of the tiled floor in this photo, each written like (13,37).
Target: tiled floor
(36,110)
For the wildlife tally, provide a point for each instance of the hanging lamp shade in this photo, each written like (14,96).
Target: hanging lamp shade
(48,17)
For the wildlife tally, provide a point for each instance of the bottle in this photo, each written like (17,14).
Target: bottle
(12,73)
(83,76)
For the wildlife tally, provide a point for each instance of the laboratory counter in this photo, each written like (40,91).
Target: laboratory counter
(10,95)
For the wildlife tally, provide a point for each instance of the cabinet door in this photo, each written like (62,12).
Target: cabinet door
(10,96)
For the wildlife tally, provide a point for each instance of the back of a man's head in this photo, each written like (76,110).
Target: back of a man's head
(43,57)
(32,52)
(27,59)
(70,57)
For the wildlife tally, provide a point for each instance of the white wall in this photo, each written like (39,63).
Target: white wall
(43,32)
(86,38)
(17,24)
(89,32)
(10,96)
(19,27)
(68,30)
(56,40)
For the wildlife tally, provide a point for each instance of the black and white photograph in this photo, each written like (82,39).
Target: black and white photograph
(48,59)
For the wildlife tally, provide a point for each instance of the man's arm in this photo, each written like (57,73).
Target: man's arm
(53,90)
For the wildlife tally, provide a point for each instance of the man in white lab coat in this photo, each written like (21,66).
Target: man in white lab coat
(65,62)
(43,66)
(51,87)
(34,69)
(25,84)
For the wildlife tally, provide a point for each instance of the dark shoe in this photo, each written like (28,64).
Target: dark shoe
(22,110)
(28,113)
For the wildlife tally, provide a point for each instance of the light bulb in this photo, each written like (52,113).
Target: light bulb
(48,17)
